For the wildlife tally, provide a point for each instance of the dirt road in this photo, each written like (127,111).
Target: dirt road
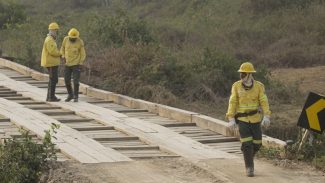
(179,170)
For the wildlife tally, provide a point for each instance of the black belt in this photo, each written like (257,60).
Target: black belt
(250,113)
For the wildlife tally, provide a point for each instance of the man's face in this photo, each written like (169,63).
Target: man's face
(54,33)
(243,75)
(72,39)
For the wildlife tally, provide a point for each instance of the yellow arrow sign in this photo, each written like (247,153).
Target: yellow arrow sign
(312,111)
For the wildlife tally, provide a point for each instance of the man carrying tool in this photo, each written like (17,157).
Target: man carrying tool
(246,101)
(51,60)
(73,53)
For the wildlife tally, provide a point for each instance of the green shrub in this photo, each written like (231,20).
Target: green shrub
(23,160)
(286,94)
(216,70)
(319,162)
(117,30)
(168,73)
(262,6)
(270,153)
(311,151)
(85,3)
(11,14)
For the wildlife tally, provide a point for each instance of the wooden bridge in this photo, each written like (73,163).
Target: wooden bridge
(108,127)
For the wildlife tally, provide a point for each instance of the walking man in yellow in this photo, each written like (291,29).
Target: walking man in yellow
(245,104)
(73,53)
(51,60)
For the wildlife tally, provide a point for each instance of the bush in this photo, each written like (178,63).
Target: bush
(286,94)
(117,30)
(23,160)
(11,14)
(85,3)
(216,70)
(168,73)
(262,6)
(311,151)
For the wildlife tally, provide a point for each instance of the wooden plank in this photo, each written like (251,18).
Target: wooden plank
(105,136)
(89,128)
(225,143)
(4,89)
(117,138)
(123,143)
(37,82)
(63,92)
(100,102)
(142,147)
(158,118)
(7,92)
(57,113)
(45,86)
(141,152)
(4,120)
(31,102)
(179,124)
(229,139)
(76,125)
(17,98)
(104,132)
(43,107)
(228,148)
(75,120)
(136,157)
(203,134)
(10,95)
(20,76)
(143,115)
(208,137)
(19,135)
(24,79)
(132,111)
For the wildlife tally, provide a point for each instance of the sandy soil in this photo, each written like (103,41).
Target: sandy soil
(179,170)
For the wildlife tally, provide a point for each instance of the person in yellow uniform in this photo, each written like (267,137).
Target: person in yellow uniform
(51,60)
(74,55)
(249,109)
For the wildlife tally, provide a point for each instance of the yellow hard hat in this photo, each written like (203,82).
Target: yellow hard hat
(73,33)
(247,67)
(53,26)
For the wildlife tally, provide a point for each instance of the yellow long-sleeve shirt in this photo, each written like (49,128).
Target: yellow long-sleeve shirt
(243,101)
(50,53)
(73,52)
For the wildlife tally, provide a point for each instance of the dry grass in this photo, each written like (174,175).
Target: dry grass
(309,78)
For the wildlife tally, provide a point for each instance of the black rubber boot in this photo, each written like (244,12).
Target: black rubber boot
(70,93)
(53,98)
(48,93)
(76,92)
(248,153)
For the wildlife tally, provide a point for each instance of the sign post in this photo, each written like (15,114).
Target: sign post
(312,116)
